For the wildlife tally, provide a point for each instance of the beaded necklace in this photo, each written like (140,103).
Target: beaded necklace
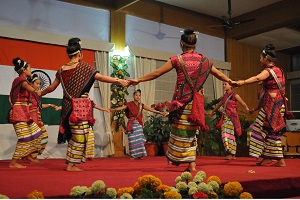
(71,63)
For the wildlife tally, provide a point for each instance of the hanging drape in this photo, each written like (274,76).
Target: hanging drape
(102,64)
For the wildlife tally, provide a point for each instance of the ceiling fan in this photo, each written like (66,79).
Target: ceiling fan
(228,22)
(160,35)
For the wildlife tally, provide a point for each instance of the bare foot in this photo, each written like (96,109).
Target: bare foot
(264,162)
(192,167)
(35,162)
(279,163)
(229,157)
(16,165)
(73,168)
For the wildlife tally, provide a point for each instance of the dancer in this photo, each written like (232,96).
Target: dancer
(231,126)
(182,143)
(134,127)
(269,125)
(36,112)
(77,77)
(28,132)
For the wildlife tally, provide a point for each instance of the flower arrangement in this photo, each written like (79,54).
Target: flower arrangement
(117,97)
(97,190)
(151,187)
(35,195)
(2,196)
(157,128)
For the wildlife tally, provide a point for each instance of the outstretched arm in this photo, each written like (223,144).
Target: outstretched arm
(154,74)
(102,109)
(108,79)
(118,108)
(51,87)
(155,111)
(219,75)
(215,108)
(260,77)
(240,100)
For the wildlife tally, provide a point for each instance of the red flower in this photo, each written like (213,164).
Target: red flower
(200,195)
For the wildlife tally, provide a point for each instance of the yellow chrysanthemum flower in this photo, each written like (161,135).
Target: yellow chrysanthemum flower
(214,178)
(163,188)
(246,195)
(172,195)
(35,195)
(123,190)
(233,189)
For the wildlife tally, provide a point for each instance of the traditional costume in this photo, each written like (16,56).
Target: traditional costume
(269,125)
(231,123)
(36,114)
(136,138)
(28,132)
(182,144)
(80,135)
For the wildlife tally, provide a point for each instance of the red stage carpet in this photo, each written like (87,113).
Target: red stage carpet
(54,182)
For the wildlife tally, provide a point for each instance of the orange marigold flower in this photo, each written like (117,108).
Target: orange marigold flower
(121,191)
(246,195)
(35,195)
(233,189)
(172,195)
(163,188)
(214,178)
(120,72)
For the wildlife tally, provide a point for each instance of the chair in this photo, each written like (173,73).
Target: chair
(290,145)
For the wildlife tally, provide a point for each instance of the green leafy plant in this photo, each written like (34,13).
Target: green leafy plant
(117,97)
(157,128)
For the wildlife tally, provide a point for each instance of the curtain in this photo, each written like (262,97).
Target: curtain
(102,65)
(144,66)
(218,85)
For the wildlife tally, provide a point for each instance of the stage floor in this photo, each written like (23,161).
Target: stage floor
(54,181)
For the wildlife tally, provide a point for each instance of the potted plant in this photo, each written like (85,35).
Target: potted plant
(157,128)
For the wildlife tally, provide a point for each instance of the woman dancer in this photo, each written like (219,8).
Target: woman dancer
(231,126)
(135,133)
(182,144)
(82,75)
(28,132)
(269,125)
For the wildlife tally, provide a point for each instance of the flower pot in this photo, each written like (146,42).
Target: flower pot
(151,149)
(165,147)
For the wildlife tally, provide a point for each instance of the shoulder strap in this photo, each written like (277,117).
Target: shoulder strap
(225,103)
(62,83)
(277,81)
(188,79)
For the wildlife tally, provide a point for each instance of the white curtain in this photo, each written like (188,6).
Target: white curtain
(102,65)
(144,66)
(218,85)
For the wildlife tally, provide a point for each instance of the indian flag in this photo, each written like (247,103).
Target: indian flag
(45,60)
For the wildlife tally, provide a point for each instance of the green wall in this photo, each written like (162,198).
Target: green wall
(50,116)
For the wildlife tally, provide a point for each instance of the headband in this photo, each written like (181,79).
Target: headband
(74,53)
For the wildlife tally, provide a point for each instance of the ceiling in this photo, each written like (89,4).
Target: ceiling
(270,21)
(285,35)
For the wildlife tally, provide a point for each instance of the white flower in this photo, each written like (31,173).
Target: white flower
(126,196)
(214,185)
(178,179)
(192,190)
(192,184)
(205,188)
(97,186)
(198,179)
(186,176)
(181,186)
(111,192)
(2,196)
(114,101)
(202,174)
(78,190)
